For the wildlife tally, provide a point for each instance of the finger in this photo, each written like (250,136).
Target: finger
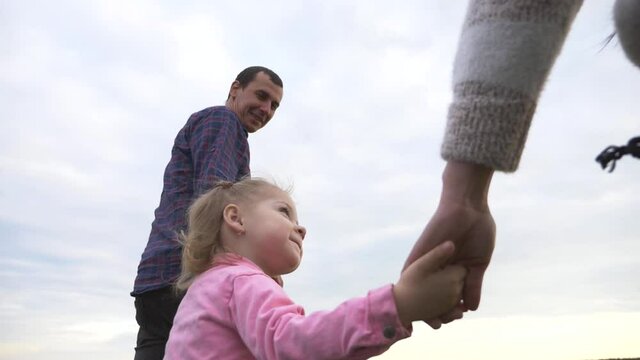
(457,272)
(454,314)
(434,323)
(428,239)
(473,287)
(434,259)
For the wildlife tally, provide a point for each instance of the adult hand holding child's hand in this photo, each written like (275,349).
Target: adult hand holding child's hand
(426,289)
(463,217)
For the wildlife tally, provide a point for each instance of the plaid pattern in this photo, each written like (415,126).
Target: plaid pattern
(211,146)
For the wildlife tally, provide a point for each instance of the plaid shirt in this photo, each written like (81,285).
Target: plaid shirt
(211,146)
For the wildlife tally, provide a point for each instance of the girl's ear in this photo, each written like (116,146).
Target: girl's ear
(231,217)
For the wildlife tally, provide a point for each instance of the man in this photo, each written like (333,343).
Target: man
(211,146)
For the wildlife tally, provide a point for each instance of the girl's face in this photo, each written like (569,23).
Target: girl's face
(273,238)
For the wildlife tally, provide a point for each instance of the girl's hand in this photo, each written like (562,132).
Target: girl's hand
(426,290)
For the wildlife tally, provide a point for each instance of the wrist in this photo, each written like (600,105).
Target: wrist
(466,183)
(398,298)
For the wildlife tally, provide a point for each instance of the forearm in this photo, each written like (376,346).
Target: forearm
(466,183)
(505,53)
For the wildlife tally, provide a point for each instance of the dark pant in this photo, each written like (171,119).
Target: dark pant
(154,313)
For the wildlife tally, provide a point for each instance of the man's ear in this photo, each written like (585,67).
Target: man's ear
(233,90)
(231,217)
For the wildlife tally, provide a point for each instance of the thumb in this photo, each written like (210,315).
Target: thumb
(434,259)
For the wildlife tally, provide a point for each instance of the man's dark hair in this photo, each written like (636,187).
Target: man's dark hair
(247,75)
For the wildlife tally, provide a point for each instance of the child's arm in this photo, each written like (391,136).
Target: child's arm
(426,290)
(273,327)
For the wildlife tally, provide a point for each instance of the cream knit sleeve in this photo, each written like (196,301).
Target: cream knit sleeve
(505,53)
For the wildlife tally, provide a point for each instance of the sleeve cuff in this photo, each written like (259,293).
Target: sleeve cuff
(384,315)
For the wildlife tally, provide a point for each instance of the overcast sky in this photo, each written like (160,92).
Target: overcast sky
(94,92)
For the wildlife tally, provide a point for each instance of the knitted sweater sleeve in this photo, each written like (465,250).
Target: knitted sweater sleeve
(505,53)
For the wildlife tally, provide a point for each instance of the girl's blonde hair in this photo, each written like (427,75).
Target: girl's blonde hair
(202,240)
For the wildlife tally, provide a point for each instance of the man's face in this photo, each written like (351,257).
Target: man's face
(256,103)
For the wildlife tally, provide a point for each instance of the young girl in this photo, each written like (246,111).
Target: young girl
(241,237)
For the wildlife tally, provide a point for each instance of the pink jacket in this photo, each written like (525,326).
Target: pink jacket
(236,311)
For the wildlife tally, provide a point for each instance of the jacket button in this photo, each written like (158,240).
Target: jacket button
(389,332)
